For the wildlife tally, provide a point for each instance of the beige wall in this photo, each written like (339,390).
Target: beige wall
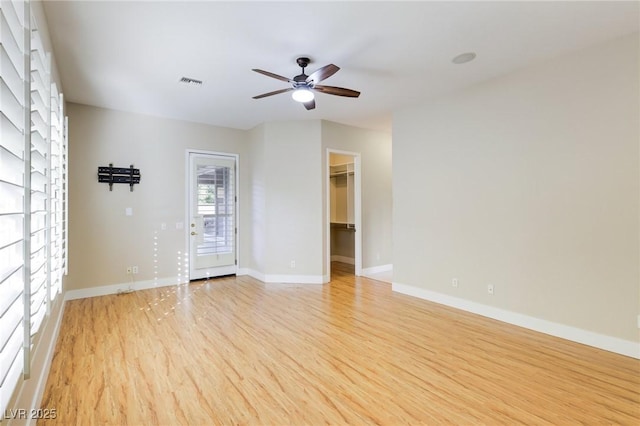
(375,153)
(103,240)
(281,194)
(529,182)
(257,200)
(294,198)
(288,194)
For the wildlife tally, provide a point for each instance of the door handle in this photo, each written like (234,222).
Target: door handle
(194,233)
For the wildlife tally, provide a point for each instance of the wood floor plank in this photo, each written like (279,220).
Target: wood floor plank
(238,351)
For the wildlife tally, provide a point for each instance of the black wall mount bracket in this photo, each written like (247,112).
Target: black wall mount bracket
(113,175)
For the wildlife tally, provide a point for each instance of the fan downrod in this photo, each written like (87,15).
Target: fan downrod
(302,63)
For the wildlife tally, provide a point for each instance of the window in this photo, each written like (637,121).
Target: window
(216,201)
(33,198)
(12,191)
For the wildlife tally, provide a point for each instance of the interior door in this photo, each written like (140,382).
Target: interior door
(212,211)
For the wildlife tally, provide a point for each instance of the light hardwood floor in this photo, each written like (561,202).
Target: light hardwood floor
(237,351)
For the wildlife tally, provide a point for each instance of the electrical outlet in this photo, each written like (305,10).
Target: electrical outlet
(490,289)
(454,282)
(134,269)
(293,264)
(129,270)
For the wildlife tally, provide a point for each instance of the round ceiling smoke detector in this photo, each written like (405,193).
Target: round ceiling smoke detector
(463,58)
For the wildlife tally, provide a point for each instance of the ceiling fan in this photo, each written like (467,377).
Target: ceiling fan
(304,85)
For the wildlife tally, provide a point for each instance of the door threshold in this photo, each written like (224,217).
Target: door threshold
(212,278)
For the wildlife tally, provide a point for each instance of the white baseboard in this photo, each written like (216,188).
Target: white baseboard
(377,269)
(117,288)
(256,274)
(601,341)
(286,279)
(343,259)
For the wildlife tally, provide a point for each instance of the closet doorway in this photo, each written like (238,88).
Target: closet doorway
(344,230)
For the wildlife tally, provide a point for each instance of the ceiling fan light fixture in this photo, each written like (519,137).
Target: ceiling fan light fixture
(302,95)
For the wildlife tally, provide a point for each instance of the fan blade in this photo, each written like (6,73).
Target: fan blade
(339,91)
(272,75)
(275,92)
(322,73)
(310,105)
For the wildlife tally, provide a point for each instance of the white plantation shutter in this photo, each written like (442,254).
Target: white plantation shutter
(56,188)
(216,205)
(14,33)
(33,192)
(40,174)
(65,188)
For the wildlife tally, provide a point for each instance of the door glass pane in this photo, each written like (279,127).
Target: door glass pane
(215,206)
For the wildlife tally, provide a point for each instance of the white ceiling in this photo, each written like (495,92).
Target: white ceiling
(130,55)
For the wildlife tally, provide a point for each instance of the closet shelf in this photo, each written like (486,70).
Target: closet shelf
(338,174)
(343,225)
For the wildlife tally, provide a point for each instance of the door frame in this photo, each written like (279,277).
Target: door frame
(187,218)
(357,209)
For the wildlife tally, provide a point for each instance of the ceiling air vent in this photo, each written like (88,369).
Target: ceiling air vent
(191,81)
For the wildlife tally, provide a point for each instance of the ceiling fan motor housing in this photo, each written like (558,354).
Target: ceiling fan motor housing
(302,63)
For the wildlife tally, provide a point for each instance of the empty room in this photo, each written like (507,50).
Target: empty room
(332,212)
